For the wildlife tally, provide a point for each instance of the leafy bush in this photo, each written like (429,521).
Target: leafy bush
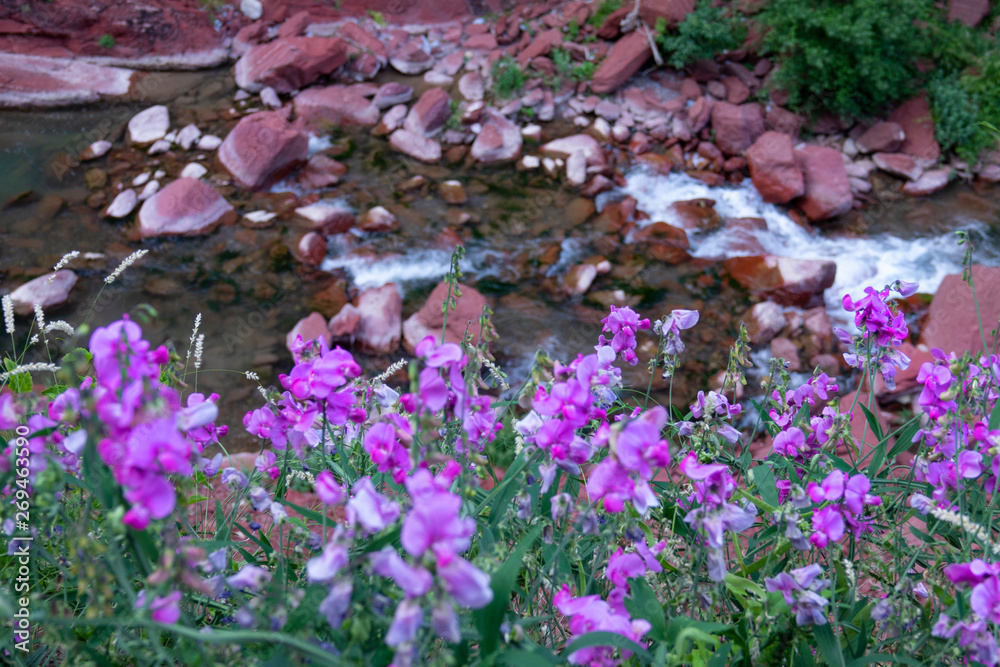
(850,57)
(604,10)
(508,78)
(106,41)
(956,115)
(566,66)
(706,32)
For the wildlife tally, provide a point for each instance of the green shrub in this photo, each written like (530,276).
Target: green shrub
(573,30)
(604,10)
(850,57)
(706,31)
(508,78)
(106,41)
(564,64)
(956,114)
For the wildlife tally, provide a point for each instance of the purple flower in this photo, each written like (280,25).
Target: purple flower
(166,609)
(828,525)
(336,604)
(671,328)
(623,324)
(324,567)
(985,599)
(250,578)
(790,442)
(800,589)
(831,488)
(405,623)
(369,508)
(465,582)
(386,451)
(414,580)
(260,498)
(328,490)
(856,494)
(233,477)
(444,622)
(434,520)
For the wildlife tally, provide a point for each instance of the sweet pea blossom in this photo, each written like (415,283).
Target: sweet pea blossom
(671,327)
(800,588)
(623,323)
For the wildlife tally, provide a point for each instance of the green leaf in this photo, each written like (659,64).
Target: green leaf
(606,639)
(55,390)
(489,618)
(829,645)
(995,417)
(643,604)
(521,658)
(872,422)
(20,383)
(763,478)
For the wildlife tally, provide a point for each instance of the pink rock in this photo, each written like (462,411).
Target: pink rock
(411,58)
(381,315)
(262,148)
(391,94)
(312,249)
(930,182)
(786,349)
(625,59)
(499,141)
(430,113)
(952,324)
(737,92)
(990,173)
(915,118)
(736,127)
(186,207)
(327,217)
(287,64)
(782,120)
(429,320)
(787,281)
(357,36)
(773,168)
(576,143)
(969,12)
(295,26)
(345,323)
(415,145)
(899,164)
(482,42)
(827,188)
(378,219)
(32,81)
(123,204)
(334,105)
(149,125)
(391,121)
(579,279)
(767,320)
(672,12)
(320,172)
(540,45)
(46,293)
(95,150)
(312,327)
(471,86)
(699,114)
(884,137)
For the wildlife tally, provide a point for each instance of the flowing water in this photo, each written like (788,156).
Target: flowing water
(523,232)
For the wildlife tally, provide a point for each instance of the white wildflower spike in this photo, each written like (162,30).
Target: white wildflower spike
(252,376)
(66,259)
(127,262)
(968,525)
(263,392)
(389,372)
(496,373)
(60,325)
(194,335)
(8,313)
(34,339)
(40,317)
(28,368)
(198,345)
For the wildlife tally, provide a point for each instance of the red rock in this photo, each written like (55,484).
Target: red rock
(320,108)
(378,219)
(699,114)
(787,281)
(471,87)
(295,26)
(951,322)
(864,437)
(884,137)
(345,323)
(930,182)
(915,118)
(416,146)
(899,164)
(782,120)
(736,127)
(381,311)
(716,89)
(540,45)
(186,207)
(290,63)
(312,249)
(773,168)
(410,58)
(31,81)
(709,178)
(786,349)
(576,143)
(354,34)
(699,214)
(483,42)
(429,320)
(671,11)
(46,293)
(969,12)
(766,320)
(321,172)
(499,141)
(827,188)
(625,59)
(430,113)
(734,164)
(391,121)
(736,91)
(327,217)
(392,93)
(262,148)
(690,89)
(312,327)
(663,242)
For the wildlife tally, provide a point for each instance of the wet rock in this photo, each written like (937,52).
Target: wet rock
(186,207)
(335,105)
(327,217)
(378,219)
(209,142)
(766,320)
(312,249)
(429,320)
(188,136)
(695,214)
(289,63)
(787,281)
(499,141)
(31,81)
(673,12)
(430,113)
(773,168)
(898,164)
(410,58)
(583,144)
(930,182)
(345,323)
(452,192)
(579,278)
(663,242)
(43,291)
(914,116)
(123,204)
(786,349)
(95,150)
(625,59)
(884,137)
(736,127)
(310,328)
(151,189)
(391,94)
(951,322)
(193,170)
(782,120)
(381,315)
(969,12)
(262,148)
(737,92)
(471,86)
(827,189)
(269,98)
(149,125)
(416,146)
(160,146)
(252,9)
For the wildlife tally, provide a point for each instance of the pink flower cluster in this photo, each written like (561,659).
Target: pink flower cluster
(882,332)
(849,495)
(975,634)
(792,442)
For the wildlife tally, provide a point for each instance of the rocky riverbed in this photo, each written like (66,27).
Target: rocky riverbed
(316,180)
